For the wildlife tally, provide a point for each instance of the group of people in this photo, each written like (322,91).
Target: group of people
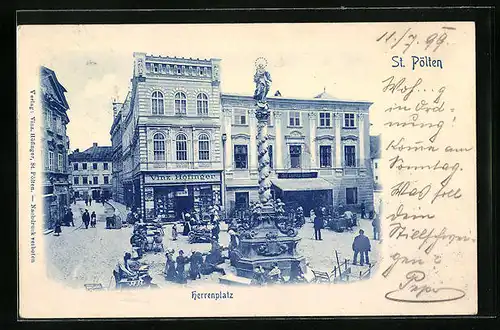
(210,224)
(143,241)
(199,264)
(89,219)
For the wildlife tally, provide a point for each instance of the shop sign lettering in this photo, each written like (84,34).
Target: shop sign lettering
(182,177)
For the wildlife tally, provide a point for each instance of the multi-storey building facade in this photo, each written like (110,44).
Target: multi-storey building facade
(55,145)
(91,172)
(185,146)
(171,136)
(319,149)
(117,150)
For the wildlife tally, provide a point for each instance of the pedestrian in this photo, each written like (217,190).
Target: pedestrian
(363,210)
(57,228)
(93,219)
(233,239)
(216,230)
(170,272)
(376,226)
(348,220)
(86,202)
(86,218)
(70,218)
(196,260)
(312,215)
(187,224)
(90,201)
(181,261)
(174,232)
(361,244)
(318,225)
(103,200)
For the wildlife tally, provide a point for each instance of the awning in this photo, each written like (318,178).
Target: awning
(302,184)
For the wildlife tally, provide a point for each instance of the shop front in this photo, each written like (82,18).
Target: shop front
(169,195)
(307,192)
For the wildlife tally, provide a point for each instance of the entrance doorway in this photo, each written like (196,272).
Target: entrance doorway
(96,194)
(183,204)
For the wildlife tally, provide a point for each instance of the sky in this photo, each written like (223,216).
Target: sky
(95,62)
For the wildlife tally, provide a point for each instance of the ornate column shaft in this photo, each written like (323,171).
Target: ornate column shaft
(312,139)
(338,151)
(279,140)
(264,161)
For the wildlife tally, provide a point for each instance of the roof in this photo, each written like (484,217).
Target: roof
(375,146)
(325,96)
(302,184)
(52,89)
(93,154)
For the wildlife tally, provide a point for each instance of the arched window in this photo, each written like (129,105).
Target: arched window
(181,147)
(204,147)
(202,104)
(180,103)
(159,146)
(157,103)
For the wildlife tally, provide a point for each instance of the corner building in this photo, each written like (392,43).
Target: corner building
(55,146)
(170,144)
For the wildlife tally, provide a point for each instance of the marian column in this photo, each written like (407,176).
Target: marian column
(269,236)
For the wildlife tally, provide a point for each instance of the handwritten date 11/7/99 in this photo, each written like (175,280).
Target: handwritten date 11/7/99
(408,38)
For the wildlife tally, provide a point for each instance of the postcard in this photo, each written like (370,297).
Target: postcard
(238,170)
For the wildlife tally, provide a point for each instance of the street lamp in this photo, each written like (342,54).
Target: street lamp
(224,139)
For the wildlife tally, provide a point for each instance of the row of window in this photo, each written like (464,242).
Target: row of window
(177,69)
(181,152)
(76,166)
(295,153)
(180,103)
(51,165)
(53,122)
(86,180)
(294,119)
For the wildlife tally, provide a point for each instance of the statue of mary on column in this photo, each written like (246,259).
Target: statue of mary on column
(262,80)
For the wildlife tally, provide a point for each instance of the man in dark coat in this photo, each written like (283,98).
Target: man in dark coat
(86,218)
(363,210)
(196,261)
(318,225)
(361,244)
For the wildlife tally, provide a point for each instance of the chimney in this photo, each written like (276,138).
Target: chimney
(95,144)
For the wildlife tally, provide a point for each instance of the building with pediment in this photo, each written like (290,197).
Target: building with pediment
(181,145)
(55,146)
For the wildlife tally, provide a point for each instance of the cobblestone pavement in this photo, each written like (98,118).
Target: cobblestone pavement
(82,256)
